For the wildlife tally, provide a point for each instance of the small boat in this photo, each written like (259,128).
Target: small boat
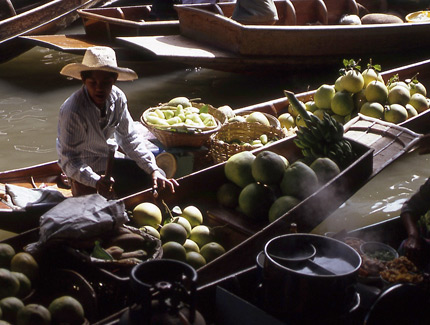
(35,17)
(307,34)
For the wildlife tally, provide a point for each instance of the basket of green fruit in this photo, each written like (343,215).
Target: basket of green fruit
(182,123)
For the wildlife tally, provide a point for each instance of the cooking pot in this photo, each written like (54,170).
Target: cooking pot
(322,286)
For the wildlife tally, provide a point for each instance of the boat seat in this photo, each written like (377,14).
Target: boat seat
(400,304)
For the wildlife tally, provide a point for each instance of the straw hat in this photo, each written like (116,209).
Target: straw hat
(98,58)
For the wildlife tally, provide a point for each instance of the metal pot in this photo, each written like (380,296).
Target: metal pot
(322,287)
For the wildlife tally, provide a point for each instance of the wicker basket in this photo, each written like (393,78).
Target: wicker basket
(220,147)
(184,136)
(272,119)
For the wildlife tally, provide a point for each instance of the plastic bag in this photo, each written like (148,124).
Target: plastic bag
(255,12)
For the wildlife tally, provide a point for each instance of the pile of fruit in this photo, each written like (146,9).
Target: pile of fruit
(266,186)
(363,92)
(183,234)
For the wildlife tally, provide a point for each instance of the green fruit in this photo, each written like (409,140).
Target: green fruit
(195,259)
(373,109)
(191,246)
(359,99)
(184,101)
(6,254)
(25,263)
(174,250)
(286,120)
(211,251)
(325,169)
(352,81)
(419,102)
(311,106)
(340,119)
(9,284)
(238,168)
(147,214)
(338,84)
(257,117)
(184,223)
(395,113)
(268,168)
(281,206)
(193,215)
(417,87)
(342,103)
(173,232)
(255,201)
(201,235)
(399,95)
(151,230)
(320,113)
(370,75)
(323,96)
(228,195)
(299,181)
(10,307)
(24,284)
(66,310)
(411,111)
(376,91)
(398,83)
(35,314)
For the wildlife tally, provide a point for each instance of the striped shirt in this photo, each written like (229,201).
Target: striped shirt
(84,136)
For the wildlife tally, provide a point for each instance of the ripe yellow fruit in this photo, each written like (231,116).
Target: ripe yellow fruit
(286,120)
(257,117)
(419,102)
(338,84)
(66,310)
(417,87)
(311,106)
(370,75)
(323,96)
(193,215)
(376,91)
(342,103)
(411,111)
(238,168)
(191,246)
(395,113)
(399,95)
(352,81)
(151,230)
(373,109)
(201,235)
(147,214)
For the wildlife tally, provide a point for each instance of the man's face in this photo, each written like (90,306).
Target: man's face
(99,85)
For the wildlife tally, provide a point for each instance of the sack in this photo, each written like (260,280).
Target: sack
(255,12)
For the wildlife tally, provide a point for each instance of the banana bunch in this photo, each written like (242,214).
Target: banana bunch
(321,137)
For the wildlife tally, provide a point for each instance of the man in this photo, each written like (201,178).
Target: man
(94,122)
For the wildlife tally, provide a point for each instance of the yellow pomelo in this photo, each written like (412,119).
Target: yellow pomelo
(338,84)
(257,117)
(255,201)
(417,87)
(147,214)
(175,251)
(411,110)
(24,284)
(191,246)
(193,215)
(286,120)
(10,307)
(370,75)
(352,81)
(66,310)
(399,95)
(6,254)
(281,206)
(211,251)
(376,91)
(268,167)
(201,235)
(325,169)
(398,83)
(311,106)
(173,232)
(238,168)
(323,96)
(195,259)
(184,223)
(373,109)
(342,103)
(151,230)
(36,314)
(395,113)
(299,180)
(228,195)
(419,102)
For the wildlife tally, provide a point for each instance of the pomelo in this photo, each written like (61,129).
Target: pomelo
(299,180)
(281,206)
(325,169)
(372,109)
(10,307)
(268,167)
(323,96)
(370,75)
(399,95)
(228,195)
(255,201)
(311,106)
(338,84)
(175,251)
(151,230)
(35,314)
(147,214)
(193,215)
(195,259)
(191,246)
(211,251)
(352,81)
(417,87)
(419,102)
(24,284)
(342,103)
(9,285)
(395,113)
(24,262)
(6,254)
(376,91)
(257,117)
(184,223)
(411,110)
(238,168)
(173,232)
(359,99)
(201,235)
(66,310)
(286,120)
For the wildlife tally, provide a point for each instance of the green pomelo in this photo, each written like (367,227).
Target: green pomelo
(311,106)
(66,310)
(411,110)
(193,215)
(175,251)
(173,232)
(147,214)
(325,169)
(399,95)
(370,75)
(201,235)
(255,201)
(184,223)
(228,195)
(338,84)
(373,109)
(238,168)
(24,284)
(191,246)
(342,103)
(416,87)
(281,206)
(395,113)
(6,254)
(286,120)
(320,113)
(9,284)
(340,119)
(211,251)
(24,262)
(323,96)
(376,91)
(268,167)
(398,83)
(195,259)
(359,99)
(151,230)
(299,180)
(35,314)
(352,81)
(419,102)
(257,117)
(10,307)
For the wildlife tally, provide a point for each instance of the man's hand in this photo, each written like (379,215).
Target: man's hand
(104,187)
(159,178)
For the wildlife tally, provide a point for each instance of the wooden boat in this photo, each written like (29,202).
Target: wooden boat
(214,40)
(35,17)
